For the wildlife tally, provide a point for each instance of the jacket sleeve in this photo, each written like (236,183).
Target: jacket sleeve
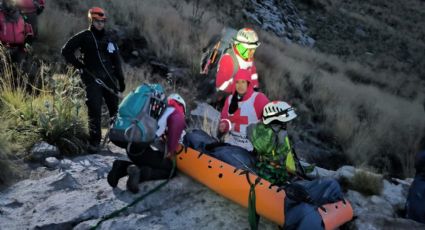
(224,81)
(260,101)
(68,50)
(175,126)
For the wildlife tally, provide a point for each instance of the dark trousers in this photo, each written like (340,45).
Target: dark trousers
(151,163)
(95,94)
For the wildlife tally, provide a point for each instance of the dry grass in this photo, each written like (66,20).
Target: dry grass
(366,183)
(9,169)
(364,119)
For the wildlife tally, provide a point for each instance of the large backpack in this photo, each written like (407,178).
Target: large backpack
(216,47)
(137,120)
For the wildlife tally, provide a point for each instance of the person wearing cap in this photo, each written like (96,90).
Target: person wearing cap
(151,164)
(242,108)
(100,70)
(240,56)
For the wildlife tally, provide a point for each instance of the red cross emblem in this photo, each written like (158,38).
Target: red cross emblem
(239,120)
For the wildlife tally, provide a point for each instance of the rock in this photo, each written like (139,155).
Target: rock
(346,172)
(51,162)
(279,17)
(65,164)
(42,150)
(395,195)
(77,196)
(135,53)
(378,221)
(363,205)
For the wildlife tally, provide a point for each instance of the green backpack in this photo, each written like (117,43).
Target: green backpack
(137,120)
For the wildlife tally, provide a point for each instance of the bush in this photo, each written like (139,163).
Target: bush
(366,183)
(54,113)
(9,170)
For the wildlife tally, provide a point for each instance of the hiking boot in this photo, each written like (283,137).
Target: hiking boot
(133,178)
(118,171)
(92,149)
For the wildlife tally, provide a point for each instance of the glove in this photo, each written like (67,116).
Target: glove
(122,86)
(224,126)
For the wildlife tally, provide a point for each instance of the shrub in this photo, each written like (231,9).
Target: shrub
(367,183)
(9,169)
(55,113)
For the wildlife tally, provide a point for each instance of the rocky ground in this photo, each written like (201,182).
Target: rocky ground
(72,193)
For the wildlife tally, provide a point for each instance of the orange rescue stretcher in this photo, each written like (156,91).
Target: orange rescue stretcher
(233,184)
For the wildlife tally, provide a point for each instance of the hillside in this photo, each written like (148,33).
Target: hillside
(354,71)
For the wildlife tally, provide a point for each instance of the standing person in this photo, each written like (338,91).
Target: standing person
(239,56)
(415,205)
(151,164)
(14,32)
(100,70)
(30,9)
(242,108)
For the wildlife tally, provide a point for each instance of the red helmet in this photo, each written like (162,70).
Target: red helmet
(96,13)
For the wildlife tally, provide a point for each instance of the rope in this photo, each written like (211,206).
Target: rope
(253,217)
(143,196)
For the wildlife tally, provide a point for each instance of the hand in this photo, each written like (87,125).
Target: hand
(224,126)
(170,155)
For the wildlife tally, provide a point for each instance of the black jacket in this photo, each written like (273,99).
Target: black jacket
(98,59)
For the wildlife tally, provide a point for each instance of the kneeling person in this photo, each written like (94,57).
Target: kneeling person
(151,164)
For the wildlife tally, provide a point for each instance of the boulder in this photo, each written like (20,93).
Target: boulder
(42,150)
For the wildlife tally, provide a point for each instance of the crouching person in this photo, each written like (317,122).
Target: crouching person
(278,164)
(150,164)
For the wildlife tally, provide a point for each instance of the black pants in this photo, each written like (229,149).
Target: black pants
(151,163)
(95,96)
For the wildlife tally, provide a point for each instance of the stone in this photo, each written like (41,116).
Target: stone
(346,172)
(51,162)
(135,53)
(42,150)
(395,194)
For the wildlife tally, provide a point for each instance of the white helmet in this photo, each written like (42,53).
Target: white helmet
(179,99)
(278,111)
(248,37)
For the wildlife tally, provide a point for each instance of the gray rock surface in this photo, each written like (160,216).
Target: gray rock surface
(280,17)
(78,195)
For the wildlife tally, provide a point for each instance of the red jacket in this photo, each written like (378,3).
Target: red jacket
(13,32)
(30,6)
(226,71)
